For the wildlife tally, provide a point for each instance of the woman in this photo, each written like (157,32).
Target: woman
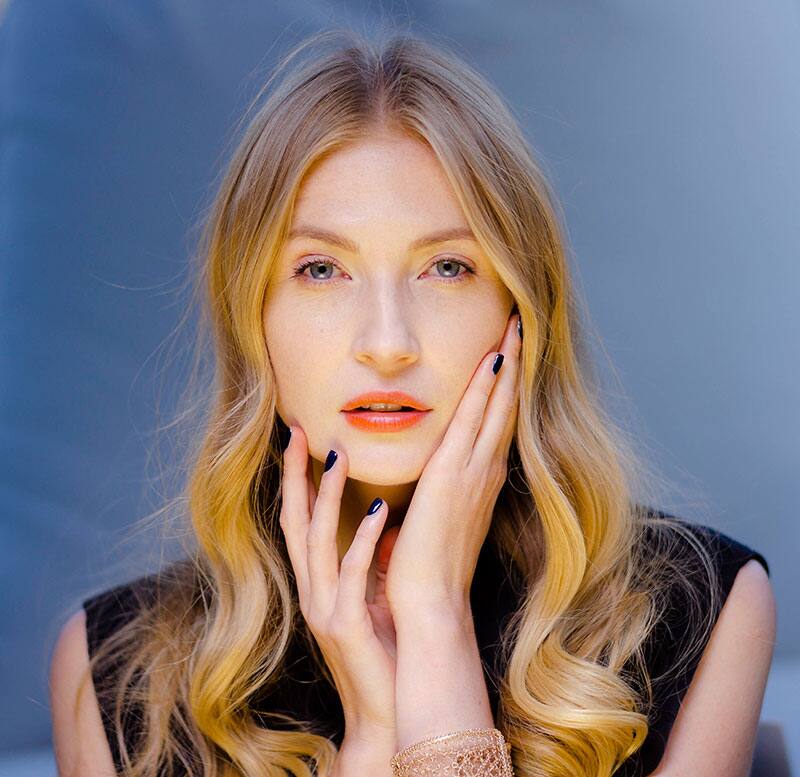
(477,561)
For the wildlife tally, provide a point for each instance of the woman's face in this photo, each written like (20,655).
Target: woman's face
(378,309)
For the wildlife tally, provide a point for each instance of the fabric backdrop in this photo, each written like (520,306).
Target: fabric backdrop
(670,130)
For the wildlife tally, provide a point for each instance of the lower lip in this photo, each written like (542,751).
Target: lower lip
(377,421)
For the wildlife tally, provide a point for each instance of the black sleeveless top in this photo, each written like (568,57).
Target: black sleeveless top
(304,695)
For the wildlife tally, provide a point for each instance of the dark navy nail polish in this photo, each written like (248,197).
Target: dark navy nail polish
(331,460)
(498,363)
(375,506)
(519,326)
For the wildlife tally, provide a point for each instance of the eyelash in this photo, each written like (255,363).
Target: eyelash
(298,271)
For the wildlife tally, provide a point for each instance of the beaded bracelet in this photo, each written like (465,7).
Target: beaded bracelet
(474,752)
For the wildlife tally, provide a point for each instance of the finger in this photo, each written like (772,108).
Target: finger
(499,417)
(352,593)
(510,428)
(323,554)
(466,423)
(294,515)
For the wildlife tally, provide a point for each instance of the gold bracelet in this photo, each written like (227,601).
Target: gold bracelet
(474,752)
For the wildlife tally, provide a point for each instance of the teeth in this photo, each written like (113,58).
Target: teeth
(381,406)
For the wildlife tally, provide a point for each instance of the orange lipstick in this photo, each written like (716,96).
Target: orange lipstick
(361,417)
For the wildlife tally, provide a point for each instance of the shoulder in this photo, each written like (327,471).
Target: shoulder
(684,538)
(747,623)
(750,611)
(82,693)
(706,572)
(79,739)
(727,673)
(111,609)
(731,677)
(117,604)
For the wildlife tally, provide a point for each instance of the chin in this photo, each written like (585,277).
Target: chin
(382,477)
(379,474)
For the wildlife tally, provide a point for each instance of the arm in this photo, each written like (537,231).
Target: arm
(79,740)
(440,681)
(715,731)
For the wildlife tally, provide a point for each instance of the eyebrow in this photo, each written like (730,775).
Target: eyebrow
(325,235)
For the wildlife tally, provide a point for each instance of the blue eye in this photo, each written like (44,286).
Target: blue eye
(314,263)
(455,263)
(319,263)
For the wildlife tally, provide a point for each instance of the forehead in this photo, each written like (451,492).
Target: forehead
(389,178)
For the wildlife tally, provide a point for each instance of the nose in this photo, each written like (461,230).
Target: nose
(386,338)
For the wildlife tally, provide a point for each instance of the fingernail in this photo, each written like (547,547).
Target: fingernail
(519,326)
(375,506)
(331,460)
(498,363)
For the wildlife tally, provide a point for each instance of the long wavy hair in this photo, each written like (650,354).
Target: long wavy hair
(595,566)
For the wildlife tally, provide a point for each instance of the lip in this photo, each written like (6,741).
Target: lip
(390,397)
(384,421)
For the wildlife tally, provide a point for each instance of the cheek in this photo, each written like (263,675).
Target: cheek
(457,348)
(303,351)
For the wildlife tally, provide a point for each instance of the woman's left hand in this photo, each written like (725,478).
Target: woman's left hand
(436,551)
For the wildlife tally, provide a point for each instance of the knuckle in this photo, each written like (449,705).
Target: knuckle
(328,631)
(316,621)
(313,537)
(351,563)
(474,425)
(440,464)
(491,477)
(341,627)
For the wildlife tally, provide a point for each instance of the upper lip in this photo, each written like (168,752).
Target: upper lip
(389,397)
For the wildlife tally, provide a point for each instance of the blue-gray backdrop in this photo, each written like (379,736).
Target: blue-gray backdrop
(670,130)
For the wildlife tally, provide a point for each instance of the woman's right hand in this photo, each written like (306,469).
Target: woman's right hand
(355,637)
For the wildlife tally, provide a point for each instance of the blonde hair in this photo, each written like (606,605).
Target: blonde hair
(570,522)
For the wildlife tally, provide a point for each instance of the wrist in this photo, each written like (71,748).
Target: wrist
(361,729)
(367,750)
(367,735)
(422,616)
(440,677)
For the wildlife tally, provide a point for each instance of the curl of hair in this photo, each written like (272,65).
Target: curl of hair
(570,521)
